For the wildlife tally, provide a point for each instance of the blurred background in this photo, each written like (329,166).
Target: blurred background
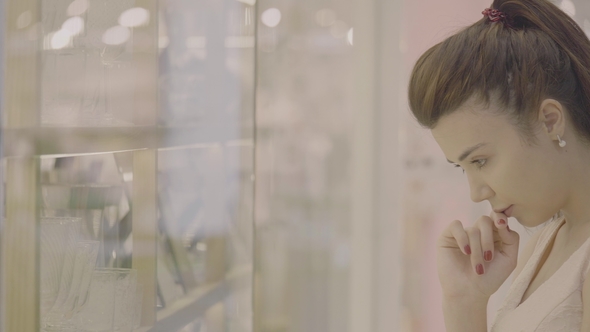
(253,164)
(351,193)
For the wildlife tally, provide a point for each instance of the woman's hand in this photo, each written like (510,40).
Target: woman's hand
(463,270)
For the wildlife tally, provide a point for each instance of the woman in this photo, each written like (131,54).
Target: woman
(508,100)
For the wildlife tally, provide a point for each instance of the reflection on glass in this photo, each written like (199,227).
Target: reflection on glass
(105,44)
(304,168)
(205,189)
(87,61)
(271,17)
(207,64)
(89,57)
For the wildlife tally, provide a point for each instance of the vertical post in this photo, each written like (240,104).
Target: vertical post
(144,228)
(389,61)
(3,8)
(144,200)
(362,228)
(20,107)
(20,246)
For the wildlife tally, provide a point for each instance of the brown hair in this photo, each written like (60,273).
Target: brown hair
(538,52)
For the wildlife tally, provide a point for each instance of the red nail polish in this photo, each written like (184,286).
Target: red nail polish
(479,269)
(468,249)
(487,255)
(502,222)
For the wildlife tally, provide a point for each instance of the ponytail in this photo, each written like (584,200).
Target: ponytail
(542,53)
(564,31)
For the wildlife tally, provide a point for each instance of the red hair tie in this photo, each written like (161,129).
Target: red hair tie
(494,15)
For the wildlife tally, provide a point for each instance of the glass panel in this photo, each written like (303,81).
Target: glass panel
(205,203)
(205,190)
(129,162)
(305,142)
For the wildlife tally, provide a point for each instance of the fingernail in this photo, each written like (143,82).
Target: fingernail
(468,249)
(502,222)
(487,255)
(479,269)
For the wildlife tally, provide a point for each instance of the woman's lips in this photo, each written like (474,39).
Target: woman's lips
(508,211)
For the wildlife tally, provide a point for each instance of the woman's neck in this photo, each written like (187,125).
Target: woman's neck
(576,209)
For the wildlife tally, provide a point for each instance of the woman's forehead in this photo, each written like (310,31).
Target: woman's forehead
(470,122)
(466,128)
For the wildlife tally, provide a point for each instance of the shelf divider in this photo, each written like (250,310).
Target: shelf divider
(23,142)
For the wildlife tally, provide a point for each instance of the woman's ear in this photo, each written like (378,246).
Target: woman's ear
(552,115)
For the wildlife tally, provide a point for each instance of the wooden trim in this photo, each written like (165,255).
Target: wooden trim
(20,246)
(20,240)
(144,228)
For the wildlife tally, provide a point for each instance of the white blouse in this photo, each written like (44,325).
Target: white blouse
(557,304)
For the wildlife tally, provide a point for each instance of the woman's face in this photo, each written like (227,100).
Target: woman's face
(500,168)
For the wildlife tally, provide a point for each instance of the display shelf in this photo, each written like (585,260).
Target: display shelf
(23,142)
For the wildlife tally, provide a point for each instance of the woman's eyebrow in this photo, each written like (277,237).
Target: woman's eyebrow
(467,152)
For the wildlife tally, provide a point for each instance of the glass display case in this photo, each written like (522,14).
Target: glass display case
(128,165)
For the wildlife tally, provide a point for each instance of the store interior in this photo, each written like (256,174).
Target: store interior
(224,165)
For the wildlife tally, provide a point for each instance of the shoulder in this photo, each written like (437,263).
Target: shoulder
(586,303)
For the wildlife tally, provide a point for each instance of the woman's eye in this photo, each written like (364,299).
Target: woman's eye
(480,163)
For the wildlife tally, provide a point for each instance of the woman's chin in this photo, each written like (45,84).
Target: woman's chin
(526,223)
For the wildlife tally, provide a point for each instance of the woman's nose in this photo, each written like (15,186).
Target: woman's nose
(479,190)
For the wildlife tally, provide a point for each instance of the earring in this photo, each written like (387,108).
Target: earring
(561,142)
